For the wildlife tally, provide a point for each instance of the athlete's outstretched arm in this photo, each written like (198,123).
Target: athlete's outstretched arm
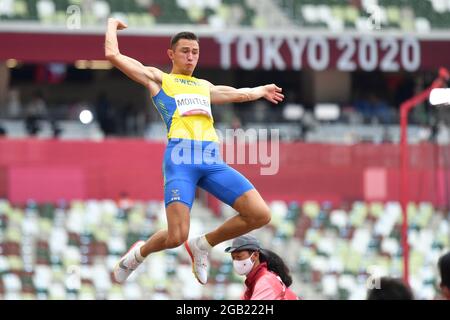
(226,94)
(131,67)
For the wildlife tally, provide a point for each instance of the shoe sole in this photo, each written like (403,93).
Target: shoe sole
(186,245)
(121,258)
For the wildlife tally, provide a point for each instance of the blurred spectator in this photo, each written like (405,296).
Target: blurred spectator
(131,119)
(390,289)
(386,138)
(373,108)
(260,111)
(405,90)
(236,123)
(36,110)
(124,202)
(308,124)
(381,110)
(56,129)
(444,271)
(105,114)
(443,133)
(2,131)
(13,106)
(350,115)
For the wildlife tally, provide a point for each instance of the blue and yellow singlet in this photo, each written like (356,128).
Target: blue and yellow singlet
(184,105)
(192,156)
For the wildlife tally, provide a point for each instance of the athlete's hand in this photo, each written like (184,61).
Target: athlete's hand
(272,93)
(119,24)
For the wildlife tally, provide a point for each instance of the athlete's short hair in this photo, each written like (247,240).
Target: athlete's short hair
(183,35)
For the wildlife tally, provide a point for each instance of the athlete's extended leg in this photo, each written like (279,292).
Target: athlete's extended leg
(253,214)
(177,232)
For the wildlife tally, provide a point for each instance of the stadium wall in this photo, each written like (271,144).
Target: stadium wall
(51,170)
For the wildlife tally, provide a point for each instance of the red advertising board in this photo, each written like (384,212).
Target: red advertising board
(246,51)
(50,170)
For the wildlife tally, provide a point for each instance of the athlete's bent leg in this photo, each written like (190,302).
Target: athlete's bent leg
(177,230)
(253,214)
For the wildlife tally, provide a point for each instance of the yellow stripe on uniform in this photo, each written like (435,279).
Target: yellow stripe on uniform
(194,127)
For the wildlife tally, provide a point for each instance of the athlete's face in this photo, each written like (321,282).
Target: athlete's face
(184,56)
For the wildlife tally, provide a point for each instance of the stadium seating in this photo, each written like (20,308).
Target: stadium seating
(338,133)
(68,250)
(417,15)
(139,13)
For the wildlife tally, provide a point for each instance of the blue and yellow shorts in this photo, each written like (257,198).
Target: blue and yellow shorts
(191,163)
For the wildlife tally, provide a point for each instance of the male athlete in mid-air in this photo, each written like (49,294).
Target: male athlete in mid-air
(184,103)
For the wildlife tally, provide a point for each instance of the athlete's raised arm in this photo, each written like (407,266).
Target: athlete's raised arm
(131,67)
(226,94)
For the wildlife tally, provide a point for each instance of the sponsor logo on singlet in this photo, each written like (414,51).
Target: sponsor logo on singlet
(187,82)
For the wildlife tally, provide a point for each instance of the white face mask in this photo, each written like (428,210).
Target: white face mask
(243,267)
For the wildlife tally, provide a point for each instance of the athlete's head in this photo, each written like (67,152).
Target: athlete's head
(184,52)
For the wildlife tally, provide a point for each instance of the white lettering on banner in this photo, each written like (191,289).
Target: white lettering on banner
(225,50)
(388,63)
(319,53)
(252,60)
(368,54)
(364,53)
(272,55)
(345,62)
(297,47)
(410,63)
(190,104)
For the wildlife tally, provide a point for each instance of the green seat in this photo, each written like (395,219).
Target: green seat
(15,263)
(146,20)
(195,14)
(21,9)
(416,262)
(353,261)
(224,12)
(351,14)
(311,209)
(259,22)
(339,12)
(13,234)
(393,15)
(88,19)
(358,214)
(61,5)
(47,211)
(45,227)
(412,213)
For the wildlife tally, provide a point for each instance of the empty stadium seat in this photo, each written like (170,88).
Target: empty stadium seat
(330,248)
